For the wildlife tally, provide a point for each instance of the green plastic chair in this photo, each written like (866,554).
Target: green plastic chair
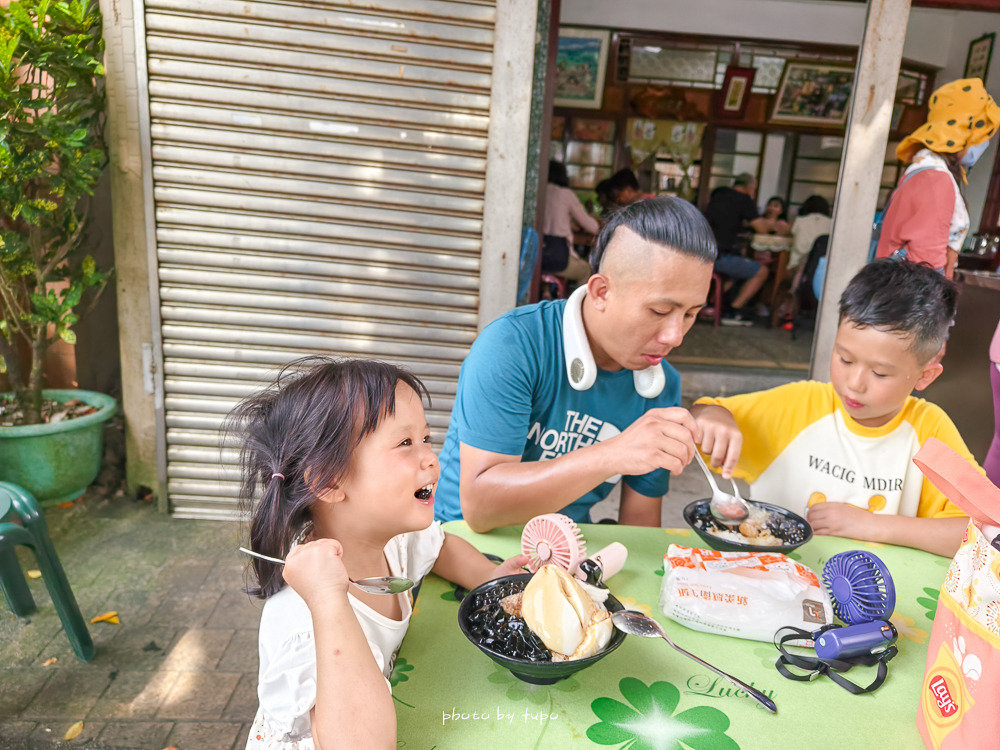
(22,523)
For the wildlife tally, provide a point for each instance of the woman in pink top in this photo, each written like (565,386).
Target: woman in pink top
(562,210)
(927,218)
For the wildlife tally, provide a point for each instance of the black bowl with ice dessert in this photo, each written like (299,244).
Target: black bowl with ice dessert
(772,528)
(508,641)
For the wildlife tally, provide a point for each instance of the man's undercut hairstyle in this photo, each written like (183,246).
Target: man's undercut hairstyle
(897,296)
(668,221)
(744,180)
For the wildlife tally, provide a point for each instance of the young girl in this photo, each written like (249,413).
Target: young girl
(343,452)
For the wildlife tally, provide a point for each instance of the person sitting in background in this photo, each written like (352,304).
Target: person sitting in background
(562,210)
(775,218)
(625,188)
(839,453)
(927,218)
(813,221)
(731,212)
(605,196)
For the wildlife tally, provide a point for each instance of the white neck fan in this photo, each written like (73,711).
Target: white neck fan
(555,539)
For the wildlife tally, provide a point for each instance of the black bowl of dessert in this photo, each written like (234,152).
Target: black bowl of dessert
(491,617)
(769,528)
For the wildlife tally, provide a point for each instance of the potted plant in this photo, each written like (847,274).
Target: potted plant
(52,153)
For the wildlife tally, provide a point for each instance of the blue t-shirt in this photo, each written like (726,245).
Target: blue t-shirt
(514,398)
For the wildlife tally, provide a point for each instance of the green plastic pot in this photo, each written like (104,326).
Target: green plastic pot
(56,462)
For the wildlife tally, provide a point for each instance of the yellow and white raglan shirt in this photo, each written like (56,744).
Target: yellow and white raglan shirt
(801,448)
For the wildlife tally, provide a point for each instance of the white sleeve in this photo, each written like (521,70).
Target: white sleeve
(422,550)
(286,686)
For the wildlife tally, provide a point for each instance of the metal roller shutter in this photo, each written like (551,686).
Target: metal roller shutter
(318,177)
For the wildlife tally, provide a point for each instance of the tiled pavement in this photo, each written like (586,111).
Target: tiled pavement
(181,668)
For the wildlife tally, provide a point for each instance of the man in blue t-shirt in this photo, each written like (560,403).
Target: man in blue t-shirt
(558,401)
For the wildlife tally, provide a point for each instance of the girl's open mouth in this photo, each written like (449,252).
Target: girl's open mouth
(425,494)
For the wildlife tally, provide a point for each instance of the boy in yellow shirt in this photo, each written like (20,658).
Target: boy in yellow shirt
(839,453)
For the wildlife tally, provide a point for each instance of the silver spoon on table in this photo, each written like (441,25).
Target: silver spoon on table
(730,509)
(377,585)
(637,623)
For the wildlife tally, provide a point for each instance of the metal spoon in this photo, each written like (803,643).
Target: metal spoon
(636,623)
(377,585)
(730,509)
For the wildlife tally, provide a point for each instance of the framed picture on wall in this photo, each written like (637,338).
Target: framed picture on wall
(581,60)
(735,93)
(813,93)
(977,63)
(583,129)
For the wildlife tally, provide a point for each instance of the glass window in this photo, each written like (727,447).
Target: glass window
(736,151)
(748,141)
(768,74)
(672,64)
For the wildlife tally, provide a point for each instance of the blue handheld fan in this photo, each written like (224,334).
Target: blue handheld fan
(860,587)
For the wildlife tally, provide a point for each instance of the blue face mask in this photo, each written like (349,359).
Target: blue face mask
(973,154)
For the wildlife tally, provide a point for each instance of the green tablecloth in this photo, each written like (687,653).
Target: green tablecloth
(448,694)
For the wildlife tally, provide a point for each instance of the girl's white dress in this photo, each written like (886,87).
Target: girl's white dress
(286,686)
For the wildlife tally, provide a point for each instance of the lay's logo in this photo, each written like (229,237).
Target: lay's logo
(942,695)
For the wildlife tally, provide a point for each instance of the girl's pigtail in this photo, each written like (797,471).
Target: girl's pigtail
(268,532)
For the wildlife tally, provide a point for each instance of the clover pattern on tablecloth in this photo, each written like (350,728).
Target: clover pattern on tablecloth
(929,602)
(399,670)
(649,722)
(519,690)
(397,674)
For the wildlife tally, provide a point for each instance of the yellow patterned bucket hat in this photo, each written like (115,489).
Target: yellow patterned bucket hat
(961,114)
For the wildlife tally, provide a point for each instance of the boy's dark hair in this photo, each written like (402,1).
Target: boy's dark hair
(557,173)
(815,204)
(304,426)
(665,220)
(897,296)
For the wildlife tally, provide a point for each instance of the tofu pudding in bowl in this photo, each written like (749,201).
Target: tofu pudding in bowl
(544,626)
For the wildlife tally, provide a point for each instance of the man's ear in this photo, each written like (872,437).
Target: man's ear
(598,287)
(930,372)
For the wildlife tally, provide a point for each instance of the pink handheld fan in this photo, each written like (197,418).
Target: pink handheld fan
(553,538)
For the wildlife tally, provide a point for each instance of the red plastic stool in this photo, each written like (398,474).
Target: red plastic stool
(718,283)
